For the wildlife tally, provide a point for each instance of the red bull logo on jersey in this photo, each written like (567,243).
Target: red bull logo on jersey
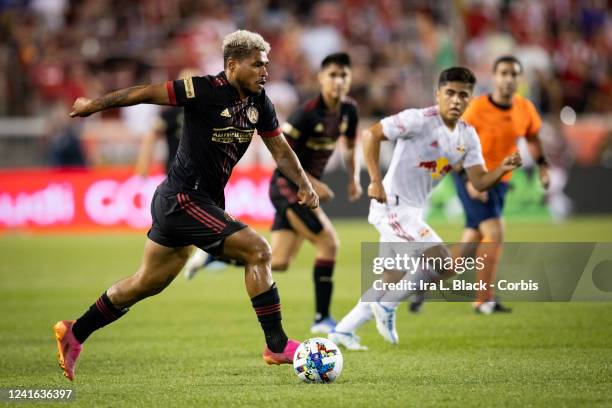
(437,168)
(428,165)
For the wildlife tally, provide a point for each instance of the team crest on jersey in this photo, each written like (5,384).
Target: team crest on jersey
(252,114)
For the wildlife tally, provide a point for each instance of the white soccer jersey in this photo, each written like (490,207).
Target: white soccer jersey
(425,151)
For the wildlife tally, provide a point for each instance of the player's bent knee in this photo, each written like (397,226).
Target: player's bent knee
(335,242)
(329,242)
(492,230)
(259,252)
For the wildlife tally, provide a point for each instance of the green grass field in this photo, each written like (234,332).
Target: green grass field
(199,343)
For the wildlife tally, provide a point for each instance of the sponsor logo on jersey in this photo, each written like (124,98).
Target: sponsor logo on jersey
(320,143)
(252,114)
(225,113)
(319,128)
(437,168)
(232,134)
(189,90)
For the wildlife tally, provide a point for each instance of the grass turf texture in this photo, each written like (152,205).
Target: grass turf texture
(199,343)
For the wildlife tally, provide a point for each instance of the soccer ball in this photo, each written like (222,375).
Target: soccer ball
(317,360)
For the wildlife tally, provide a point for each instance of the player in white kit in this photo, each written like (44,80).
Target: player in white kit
(430,143)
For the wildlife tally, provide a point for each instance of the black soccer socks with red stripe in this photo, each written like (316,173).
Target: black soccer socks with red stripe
(323,283)
(268,309)
(100,314)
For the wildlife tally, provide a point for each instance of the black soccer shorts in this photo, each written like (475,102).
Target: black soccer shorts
(182,218)
(283,194)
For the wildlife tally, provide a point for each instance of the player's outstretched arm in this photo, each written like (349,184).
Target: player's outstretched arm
(155,94)
(372,139)
(483,180)
(290,166)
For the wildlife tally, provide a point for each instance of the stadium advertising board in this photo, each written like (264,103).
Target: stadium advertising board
(91,199)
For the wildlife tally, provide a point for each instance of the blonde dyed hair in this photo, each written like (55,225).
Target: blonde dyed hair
(241,43)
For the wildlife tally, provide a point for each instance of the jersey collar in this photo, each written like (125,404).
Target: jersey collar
(235,92)
(323,107)
(497,105)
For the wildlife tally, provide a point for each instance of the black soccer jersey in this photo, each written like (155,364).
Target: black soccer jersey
(217,131)
(312,131)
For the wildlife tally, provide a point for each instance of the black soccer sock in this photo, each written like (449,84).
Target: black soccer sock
(268,309)
(322,274)
(100,314)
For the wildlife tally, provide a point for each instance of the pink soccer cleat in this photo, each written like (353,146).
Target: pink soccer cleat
(286,357)
(68,347)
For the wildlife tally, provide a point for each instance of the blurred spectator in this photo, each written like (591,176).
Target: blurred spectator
(321,37)
(53,49)
(63,139)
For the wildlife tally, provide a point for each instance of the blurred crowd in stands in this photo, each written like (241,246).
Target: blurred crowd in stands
(56,50)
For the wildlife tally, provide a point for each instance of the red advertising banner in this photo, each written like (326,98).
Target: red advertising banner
(110,198)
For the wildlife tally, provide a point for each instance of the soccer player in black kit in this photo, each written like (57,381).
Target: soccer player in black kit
(221,115)
(169,127)
(312,131)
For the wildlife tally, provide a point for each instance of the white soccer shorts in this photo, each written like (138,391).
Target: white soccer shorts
(401,223)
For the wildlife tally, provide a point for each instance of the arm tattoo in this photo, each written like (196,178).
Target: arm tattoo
(121,97)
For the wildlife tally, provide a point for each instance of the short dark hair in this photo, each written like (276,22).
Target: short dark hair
(338,58)
(457,74)
(507,58)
